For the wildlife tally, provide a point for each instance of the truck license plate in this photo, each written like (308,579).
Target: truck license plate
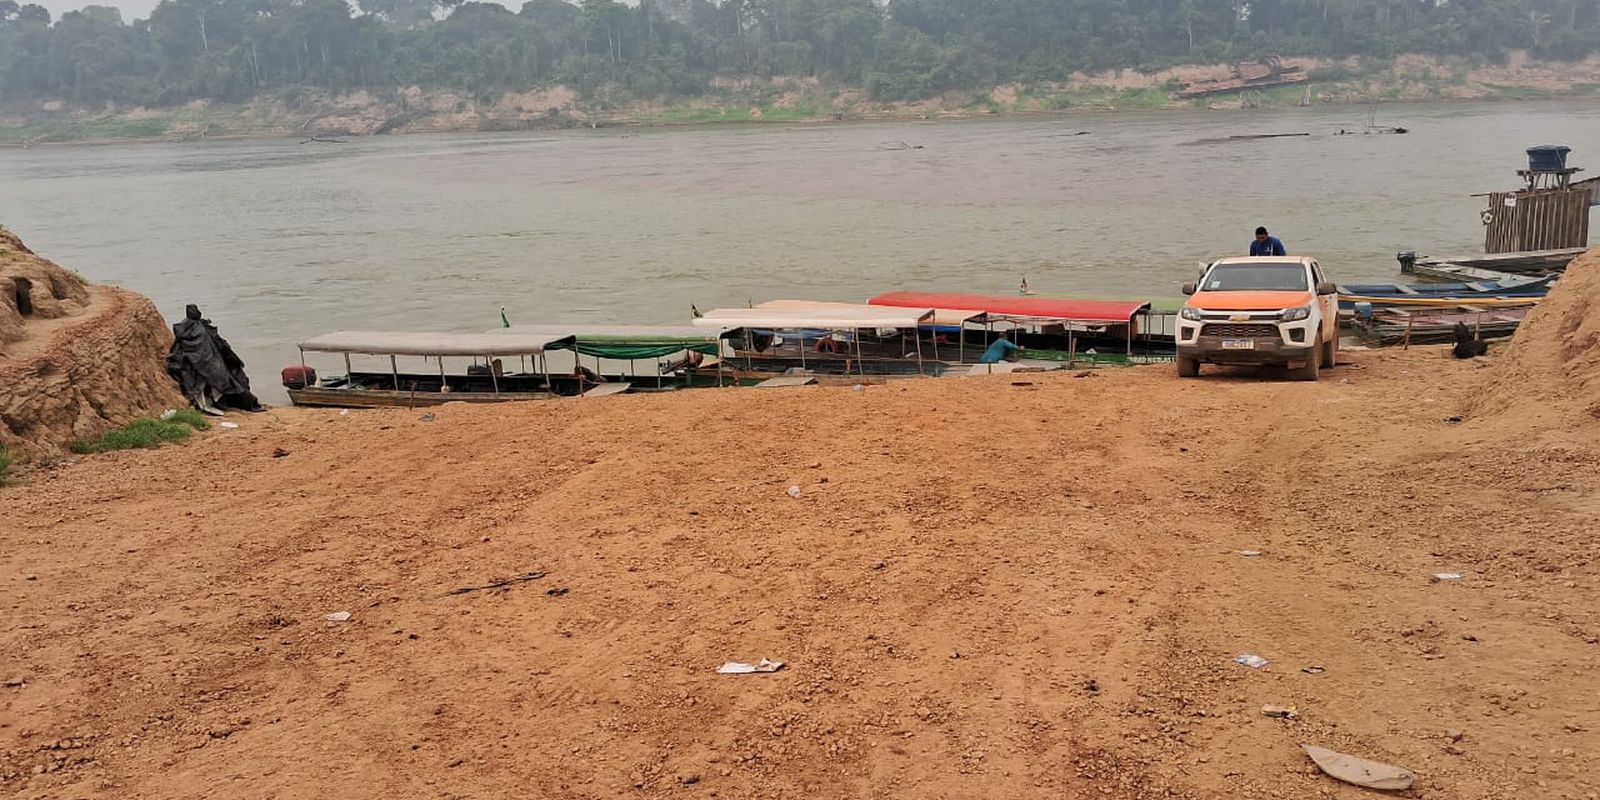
(1238,344)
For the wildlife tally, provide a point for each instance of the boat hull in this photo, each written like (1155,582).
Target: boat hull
(321,397)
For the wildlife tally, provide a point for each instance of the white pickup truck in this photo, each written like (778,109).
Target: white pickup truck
(1276,310)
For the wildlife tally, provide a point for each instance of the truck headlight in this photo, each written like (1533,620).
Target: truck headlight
(1292,314)
(1192,314)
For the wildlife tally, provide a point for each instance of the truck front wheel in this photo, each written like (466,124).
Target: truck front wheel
(1188,367)
(1308,371)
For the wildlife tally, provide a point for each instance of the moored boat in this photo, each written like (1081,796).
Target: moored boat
(484,380)
(1487,294)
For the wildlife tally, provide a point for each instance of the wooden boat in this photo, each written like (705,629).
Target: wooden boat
(1395,326)
(1513,291)
(1497,266)
(790,337)
(485,380)
(1054,325)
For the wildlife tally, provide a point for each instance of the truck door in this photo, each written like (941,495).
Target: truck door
(1329,305)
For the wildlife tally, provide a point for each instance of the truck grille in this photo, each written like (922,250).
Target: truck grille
(1240,330)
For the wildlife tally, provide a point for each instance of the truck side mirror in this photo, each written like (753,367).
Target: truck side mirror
(1327,287)
(1188,288)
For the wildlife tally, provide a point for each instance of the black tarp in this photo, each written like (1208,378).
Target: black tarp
(207,369)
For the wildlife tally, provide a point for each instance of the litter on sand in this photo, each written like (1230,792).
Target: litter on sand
(1360,771)
(169,413)
(1280,712)
(793,491)
(344,412)
(1249,553)
(1250,660)
(741,668)
(428,417)
(229,425)
(338,616)
(1313,670)
(498,584)
(1446,576)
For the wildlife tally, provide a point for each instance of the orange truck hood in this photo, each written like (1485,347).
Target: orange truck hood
(1248,301)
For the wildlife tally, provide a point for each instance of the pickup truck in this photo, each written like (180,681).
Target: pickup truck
(1274,310)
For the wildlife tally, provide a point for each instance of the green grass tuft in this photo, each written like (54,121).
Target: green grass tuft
(145,433)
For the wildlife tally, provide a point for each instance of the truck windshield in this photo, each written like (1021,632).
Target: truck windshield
(1256,277)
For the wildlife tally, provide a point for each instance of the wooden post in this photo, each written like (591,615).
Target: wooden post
(1410,318)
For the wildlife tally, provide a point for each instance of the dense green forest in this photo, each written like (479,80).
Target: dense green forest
(232,50)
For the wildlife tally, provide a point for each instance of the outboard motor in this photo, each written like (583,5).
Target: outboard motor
(298,377)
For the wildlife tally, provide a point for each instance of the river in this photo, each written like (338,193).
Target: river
(278,241)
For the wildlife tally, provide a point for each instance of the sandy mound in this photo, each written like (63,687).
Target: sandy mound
(32,288)
(74,359)
(1553,363)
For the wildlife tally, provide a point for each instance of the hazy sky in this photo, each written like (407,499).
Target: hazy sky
(140,9)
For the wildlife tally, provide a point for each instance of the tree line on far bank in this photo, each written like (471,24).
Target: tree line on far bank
(233,50)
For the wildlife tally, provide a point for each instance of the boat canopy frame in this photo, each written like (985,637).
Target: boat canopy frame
(438,345)
(819,315)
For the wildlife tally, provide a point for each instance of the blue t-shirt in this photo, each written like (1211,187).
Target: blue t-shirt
(1273,246)
(998,351)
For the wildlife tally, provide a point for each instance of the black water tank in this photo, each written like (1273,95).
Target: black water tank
(1548,158)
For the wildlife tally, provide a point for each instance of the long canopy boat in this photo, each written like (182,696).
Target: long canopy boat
(484,380)
(503,365)
(1052,329)
(823,341)
(679,356)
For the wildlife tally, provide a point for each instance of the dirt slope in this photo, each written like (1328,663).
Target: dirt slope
(1552,367)
(983,590)
(75,359)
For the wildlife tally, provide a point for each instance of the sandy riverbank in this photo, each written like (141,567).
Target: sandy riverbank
(1009,586)
(788,100)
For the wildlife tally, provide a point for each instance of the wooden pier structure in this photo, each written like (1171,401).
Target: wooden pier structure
(1550,211)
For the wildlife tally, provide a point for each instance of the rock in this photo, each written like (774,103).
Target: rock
(278,452)
(16,681)
(1454,750)
(689,778)
(1454,734)
(30,577)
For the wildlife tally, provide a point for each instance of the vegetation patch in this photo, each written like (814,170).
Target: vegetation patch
(6,460)
(145,433)
(702,116)
(68,130)
(1516,92)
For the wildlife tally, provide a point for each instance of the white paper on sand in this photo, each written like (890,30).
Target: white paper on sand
(1360,771)
(741,668)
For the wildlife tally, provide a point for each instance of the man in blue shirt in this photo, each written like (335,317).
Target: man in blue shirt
(1003,349)
(1266,244)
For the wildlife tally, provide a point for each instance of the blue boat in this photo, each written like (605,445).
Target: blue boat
(1437,294)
